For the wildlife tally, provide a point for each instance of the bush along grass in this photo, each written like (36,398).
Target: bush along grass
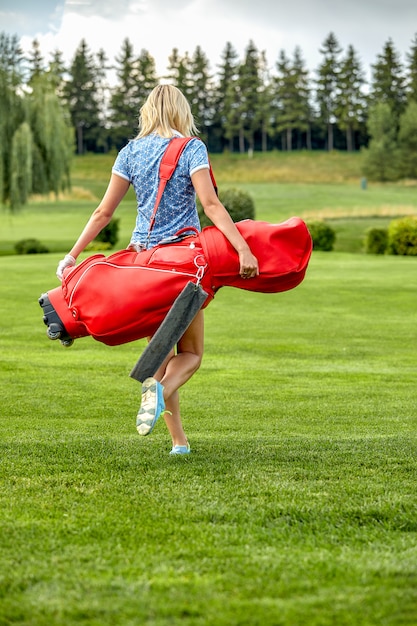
(30,246)
(376,240)
(402,236)
(238,203)
(110,233)
(297,504)
(322,234)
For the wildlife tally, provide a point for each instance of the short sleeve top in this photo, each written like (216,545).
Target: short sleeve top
(138,162)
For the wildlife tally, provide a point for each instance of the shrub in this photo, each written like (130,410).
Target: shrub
(376,240)
(402,236)
(30,246)
(322,234)
(110,233)
(98,246)
(239,204)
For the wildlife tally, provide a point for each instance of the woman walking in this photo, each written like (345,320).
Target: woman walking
(165,114)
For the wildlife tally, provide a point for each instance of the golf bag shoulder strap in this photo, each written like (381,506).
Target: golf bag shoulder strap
(172,155)
(167,168)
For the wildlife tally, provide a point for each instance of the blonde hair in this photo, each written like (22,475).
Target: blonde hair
(166,109)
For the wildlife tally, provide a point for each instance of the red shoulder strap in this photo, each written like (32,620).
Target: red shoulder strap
(167,168)
(172,156)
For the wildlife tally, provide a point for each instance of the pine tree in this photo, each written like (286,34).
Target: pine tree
(292,97)
(179,73)
(239,104)
(412,72)
(388,80)
(146,77)
(226,95)
(350,99)
(248,86)
(124,101)
(36,62)
(327,85)
(302,96)
(200,92)
(283,94)
(102,98)
(81,96)
(56,72)
(265,101)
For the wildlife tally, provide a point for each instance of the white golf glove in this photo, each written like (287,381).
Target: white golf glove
(67,261)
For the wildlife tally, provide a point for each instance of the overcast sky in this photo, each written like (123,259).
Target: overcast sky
(161,25)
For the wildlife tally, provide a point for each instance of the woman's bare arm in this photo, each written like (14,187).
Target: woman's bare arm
(217,213)
(116,190)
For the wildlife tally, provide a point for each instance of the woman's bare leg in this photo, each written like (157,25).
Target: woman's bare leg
(172,405)
(176,370)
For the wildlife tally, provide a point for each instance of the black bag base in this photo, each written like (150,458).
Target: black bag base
(56,329)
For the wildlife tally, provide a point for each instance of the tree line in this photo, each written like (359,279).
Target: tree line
(49,109)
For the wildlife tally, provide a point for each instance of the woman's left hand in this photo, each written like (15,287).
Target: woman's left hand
(67,261)
(249,267)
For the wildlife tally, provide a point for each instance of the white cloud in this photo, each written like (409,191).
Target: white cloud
(161,25)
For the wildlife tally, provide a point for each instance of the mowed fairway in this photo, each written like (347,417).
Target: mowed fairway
(298,503)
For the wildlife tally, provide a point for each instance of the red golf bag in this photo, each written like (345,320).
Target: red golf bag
(126,296)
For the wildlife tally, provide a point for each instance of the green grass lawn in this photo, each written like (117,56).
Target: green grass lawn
(298,503)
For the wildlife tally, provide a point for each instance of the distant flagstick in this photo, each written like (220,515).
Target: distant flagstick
(176,322)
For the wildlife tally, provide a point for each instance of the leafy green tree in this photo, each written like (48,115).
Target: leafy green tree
(327,85)
(381,157)
(412,71)
(36,137)
(407,141)
(21,166)
(53,138)
(81,96)
(12,111)
(388,80)
(350,100)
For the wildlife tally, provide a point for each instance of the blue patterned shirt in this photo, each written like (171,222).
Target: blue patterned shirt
(138,162)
